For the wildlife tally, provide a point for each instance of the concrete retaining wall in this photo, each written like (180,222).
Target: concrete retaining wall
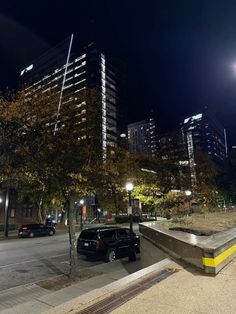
(210,253)
(150,253)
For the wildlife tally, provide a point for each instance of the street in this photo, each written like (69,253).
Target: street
(26,260)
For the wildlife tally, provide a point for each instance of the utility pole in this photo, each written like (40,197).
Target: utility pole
(6,213)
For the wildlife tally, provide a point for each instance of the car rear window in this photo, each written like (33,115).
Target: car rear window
(123,233)
(108,234)
(89,235)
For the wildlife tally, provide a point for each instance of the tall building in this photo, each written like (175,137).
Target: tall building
(90,68)
(198,133)
(204,133)
(172,148)
(142,137)
(153,136)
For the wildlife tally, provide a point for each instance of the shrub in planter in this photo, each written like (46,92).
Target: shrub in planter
(121,219)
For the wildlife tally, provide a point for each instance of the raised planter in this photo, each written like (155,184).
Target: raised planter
(210,253)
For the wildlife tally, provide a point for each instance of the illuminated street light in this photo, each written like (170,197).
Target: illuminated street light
(233,66)
(129,187)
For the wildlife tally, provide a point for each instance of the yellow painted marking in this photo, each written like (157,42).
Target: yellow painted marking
(215,261)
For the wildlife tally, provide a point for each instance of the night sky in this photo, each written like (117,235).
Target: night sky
(180,55)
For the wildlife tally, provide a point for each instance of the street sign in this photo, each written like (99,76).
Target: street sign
(84,209)
(129,210)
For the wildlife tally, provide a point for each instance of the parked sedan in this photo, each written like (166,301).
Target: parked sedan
(32,230)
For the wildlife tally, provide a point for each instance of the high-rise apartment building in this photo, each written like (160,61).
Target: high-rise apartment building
(142,137)
(202,132)
(172,146)
(90,69)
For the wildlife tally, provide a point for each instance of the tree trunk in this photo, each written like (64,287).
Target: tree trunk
(116,206)
(40,216)
(72,239)
(63,214)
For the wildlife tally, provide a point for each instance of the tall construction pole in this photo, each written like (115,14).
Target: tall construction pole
(63,83)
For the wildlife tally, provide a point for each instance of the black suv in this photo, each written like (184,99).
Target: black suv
(109,243)
(32,230)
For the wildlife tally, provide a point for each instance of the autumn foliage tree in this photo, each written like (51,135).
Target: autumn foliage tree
(49,163)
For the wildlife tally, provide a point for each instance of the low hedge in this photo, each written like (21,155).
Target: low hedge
(121,219)
(125,219)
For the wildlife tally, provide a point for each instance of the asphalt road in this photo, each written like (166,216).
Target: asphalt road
(26,260)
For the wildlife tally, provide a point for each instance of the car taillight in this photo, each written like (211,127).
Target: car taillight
(97,244)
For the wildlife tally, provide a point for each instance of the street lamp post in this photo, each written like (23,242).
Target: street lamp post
(81,216)
(6,225)
(132,255)
(129,188)
(99,211)
(189,193)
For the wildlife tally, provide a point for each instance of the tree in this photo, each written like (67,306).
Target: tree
(206,187)
(226,181)
(155,178)
(152,177)
(50,164)
(119,167)
(148,194)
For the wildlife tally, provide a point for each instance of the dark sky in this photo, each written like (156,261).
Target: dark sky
(179,54)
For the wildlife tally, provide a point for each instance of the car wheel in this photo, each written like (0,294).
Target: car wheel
(31,235)
(50,233)
(110,256)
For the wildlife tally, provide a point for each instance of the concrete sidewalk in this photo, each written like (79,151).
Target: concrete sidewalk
(33,299)
(186,291)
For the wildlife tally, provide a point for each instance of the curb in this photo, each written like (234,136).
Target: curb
(85,300)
